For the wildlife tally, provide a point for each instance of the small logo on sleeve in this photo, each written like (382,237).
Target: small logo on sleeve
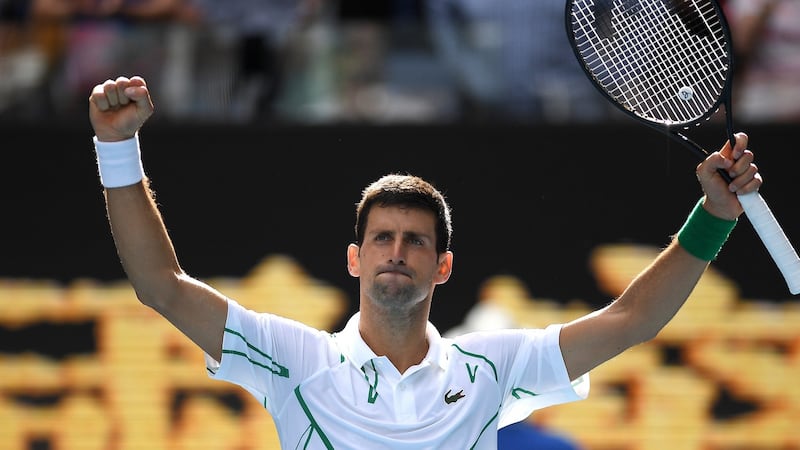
(454,397)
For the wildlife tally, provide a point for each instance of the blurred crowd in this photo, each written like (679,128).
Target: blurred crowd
(766,35)
(322,61)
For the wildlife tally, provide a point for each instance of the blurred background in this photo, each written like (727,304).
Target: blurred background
(271,115)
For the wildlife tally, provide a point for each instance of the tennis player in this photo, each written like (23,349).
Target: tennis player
(388,380)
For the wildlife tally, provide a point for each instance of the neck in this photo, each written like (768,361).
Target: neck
(402,339)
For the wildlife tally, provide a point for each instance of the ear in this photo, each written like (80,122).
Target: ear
(445,268)
(352,260)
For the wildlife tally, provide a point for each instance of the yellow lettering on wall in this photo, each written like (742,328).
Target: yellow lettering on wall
(144,385)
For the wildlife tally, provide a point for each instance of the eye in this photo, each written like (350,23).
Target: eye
(416,241)
(383,237)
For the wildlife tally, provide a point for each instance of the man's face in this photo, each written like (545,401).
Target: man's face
(397,262)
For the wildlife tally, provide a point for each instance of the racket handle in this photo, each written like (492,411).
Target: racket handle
(771,233)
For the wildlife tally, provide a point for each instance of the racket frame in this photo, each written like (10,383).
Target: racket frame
(756,209)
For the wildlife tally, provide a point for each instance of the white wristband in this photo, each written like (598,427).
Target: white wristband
(119,163)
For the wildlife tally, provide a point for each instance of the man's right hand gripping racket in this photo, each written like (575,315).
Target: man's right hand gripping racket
(669,64)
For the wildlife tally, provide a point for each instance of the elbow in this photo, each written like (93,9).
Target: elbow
(636,332)
(642,331)
(646,336)
(150,299)
(157,292)
(637,325)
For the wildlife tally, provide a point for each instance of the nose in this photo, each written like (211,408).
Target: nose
(398,255)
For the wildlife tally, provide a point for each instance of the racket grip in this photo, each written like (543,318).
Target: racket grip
(773,237)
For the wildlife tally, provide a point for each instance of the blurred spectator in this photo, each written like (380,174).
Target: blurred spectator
(73,43)
(257,34)
(29,51)
(131,9)
(512,60)
(766,36)
(211,60)
(387,69)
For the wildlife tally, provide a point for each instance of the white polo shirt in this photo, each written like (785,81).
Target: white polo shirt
(331,391)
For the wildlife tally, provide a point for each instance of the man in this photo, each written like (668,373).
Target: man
(388,380)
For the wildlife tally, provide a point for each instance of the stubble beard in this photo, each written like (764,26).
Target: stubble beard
(396,300)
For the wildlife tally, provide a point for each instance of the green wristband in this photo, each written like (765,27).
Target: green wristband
(703,234)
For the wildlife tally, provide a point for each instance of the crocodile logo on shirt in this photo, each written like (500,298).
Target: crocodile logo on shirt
(453,398)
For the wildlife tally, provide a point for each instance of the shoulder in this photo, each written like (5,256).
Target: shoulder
(501,345)
(267,330)
(505,337)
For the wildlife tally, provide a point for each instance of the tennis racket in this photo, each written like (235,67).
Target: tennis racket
(669,64)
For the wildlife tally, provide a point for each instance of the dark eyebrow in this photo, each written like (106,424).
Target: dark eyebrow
(405,234)
(417,235)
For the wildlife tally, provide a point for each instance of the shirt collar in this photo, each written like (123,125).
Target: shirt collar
(358,352)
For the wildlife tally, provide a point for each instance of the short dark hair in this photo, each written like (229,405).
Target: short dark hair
(405,190)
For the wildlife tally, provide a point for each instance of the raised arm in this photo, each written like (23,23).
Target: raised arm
(117,110)
(659,291)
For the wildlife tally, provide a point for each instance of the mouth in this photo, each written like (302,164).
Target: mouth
(394,271)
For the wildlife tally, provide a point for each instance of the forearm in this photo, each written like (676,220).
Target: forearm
(142,242)
(649,302)
(661,289)
(654,297)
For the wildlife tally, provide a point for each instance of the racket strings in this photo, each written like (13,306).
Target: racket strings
(704,62)
(658,80)
(651,52)
(676,52)
(629,80)
(666,53)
